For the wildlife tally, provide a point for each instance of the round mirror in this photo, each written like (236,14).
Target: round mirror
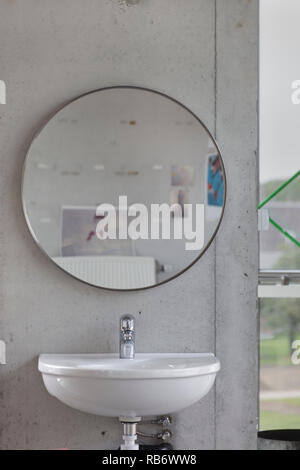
(124,188)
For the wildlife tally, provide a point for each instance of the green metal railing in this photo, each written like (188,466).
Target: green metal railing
(271,196)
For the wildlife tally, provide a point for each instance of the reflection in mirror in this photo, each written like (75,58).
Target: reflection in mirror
(124,188)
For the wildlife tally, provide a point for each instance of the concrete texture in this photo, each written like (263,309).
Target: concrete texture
(203,53)
(236,247)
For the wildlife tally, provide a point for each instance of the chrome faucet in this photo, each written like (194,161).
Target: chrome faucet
(127,337)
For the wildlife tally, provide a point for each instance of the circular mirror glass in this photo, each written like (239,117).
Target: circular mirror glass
(124,188)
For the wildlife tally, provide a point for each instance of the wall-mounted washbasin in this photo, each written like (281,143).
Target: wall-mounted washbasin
(150,384)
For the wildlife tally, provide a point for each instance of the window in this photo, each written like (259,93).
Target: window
(279,376)
(279,289)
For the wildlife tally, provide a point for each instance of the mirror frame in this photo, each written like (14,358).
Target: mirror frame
(64,105)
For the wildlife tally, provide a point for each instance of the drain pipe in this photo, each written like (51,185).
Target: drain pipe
(129,433)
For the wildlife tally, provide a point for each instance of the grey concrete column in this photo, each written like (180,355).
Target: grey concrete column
(237,243)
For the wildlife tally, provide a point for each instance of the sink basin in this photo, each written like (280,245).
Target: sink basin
(150,384)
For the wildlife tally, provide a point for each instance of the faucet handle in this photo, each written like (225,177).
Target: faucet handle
(127,322)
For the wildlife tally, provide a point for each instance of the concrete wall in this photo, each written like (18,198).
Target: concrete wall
(204,53)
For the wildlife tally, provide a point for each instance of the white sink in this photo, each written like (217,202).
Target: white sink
(150,384)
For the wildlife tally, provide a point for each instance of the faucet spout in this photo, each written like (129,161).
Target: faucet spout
(127,337)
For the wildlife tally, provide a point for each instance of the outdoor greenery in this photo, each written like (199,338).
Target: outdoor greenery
(276,351)
(275,420)
(290,257)
(281,316)
(291,193)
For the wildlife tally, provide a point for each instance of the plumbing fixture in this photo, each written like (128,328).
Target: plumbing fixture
(127,337)
(165,435)
(129,433)
(163,420)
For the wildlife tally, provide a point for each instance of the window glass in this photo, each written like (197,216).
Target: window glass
(280,364)
(276,250)
(279,162)
(279,129)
